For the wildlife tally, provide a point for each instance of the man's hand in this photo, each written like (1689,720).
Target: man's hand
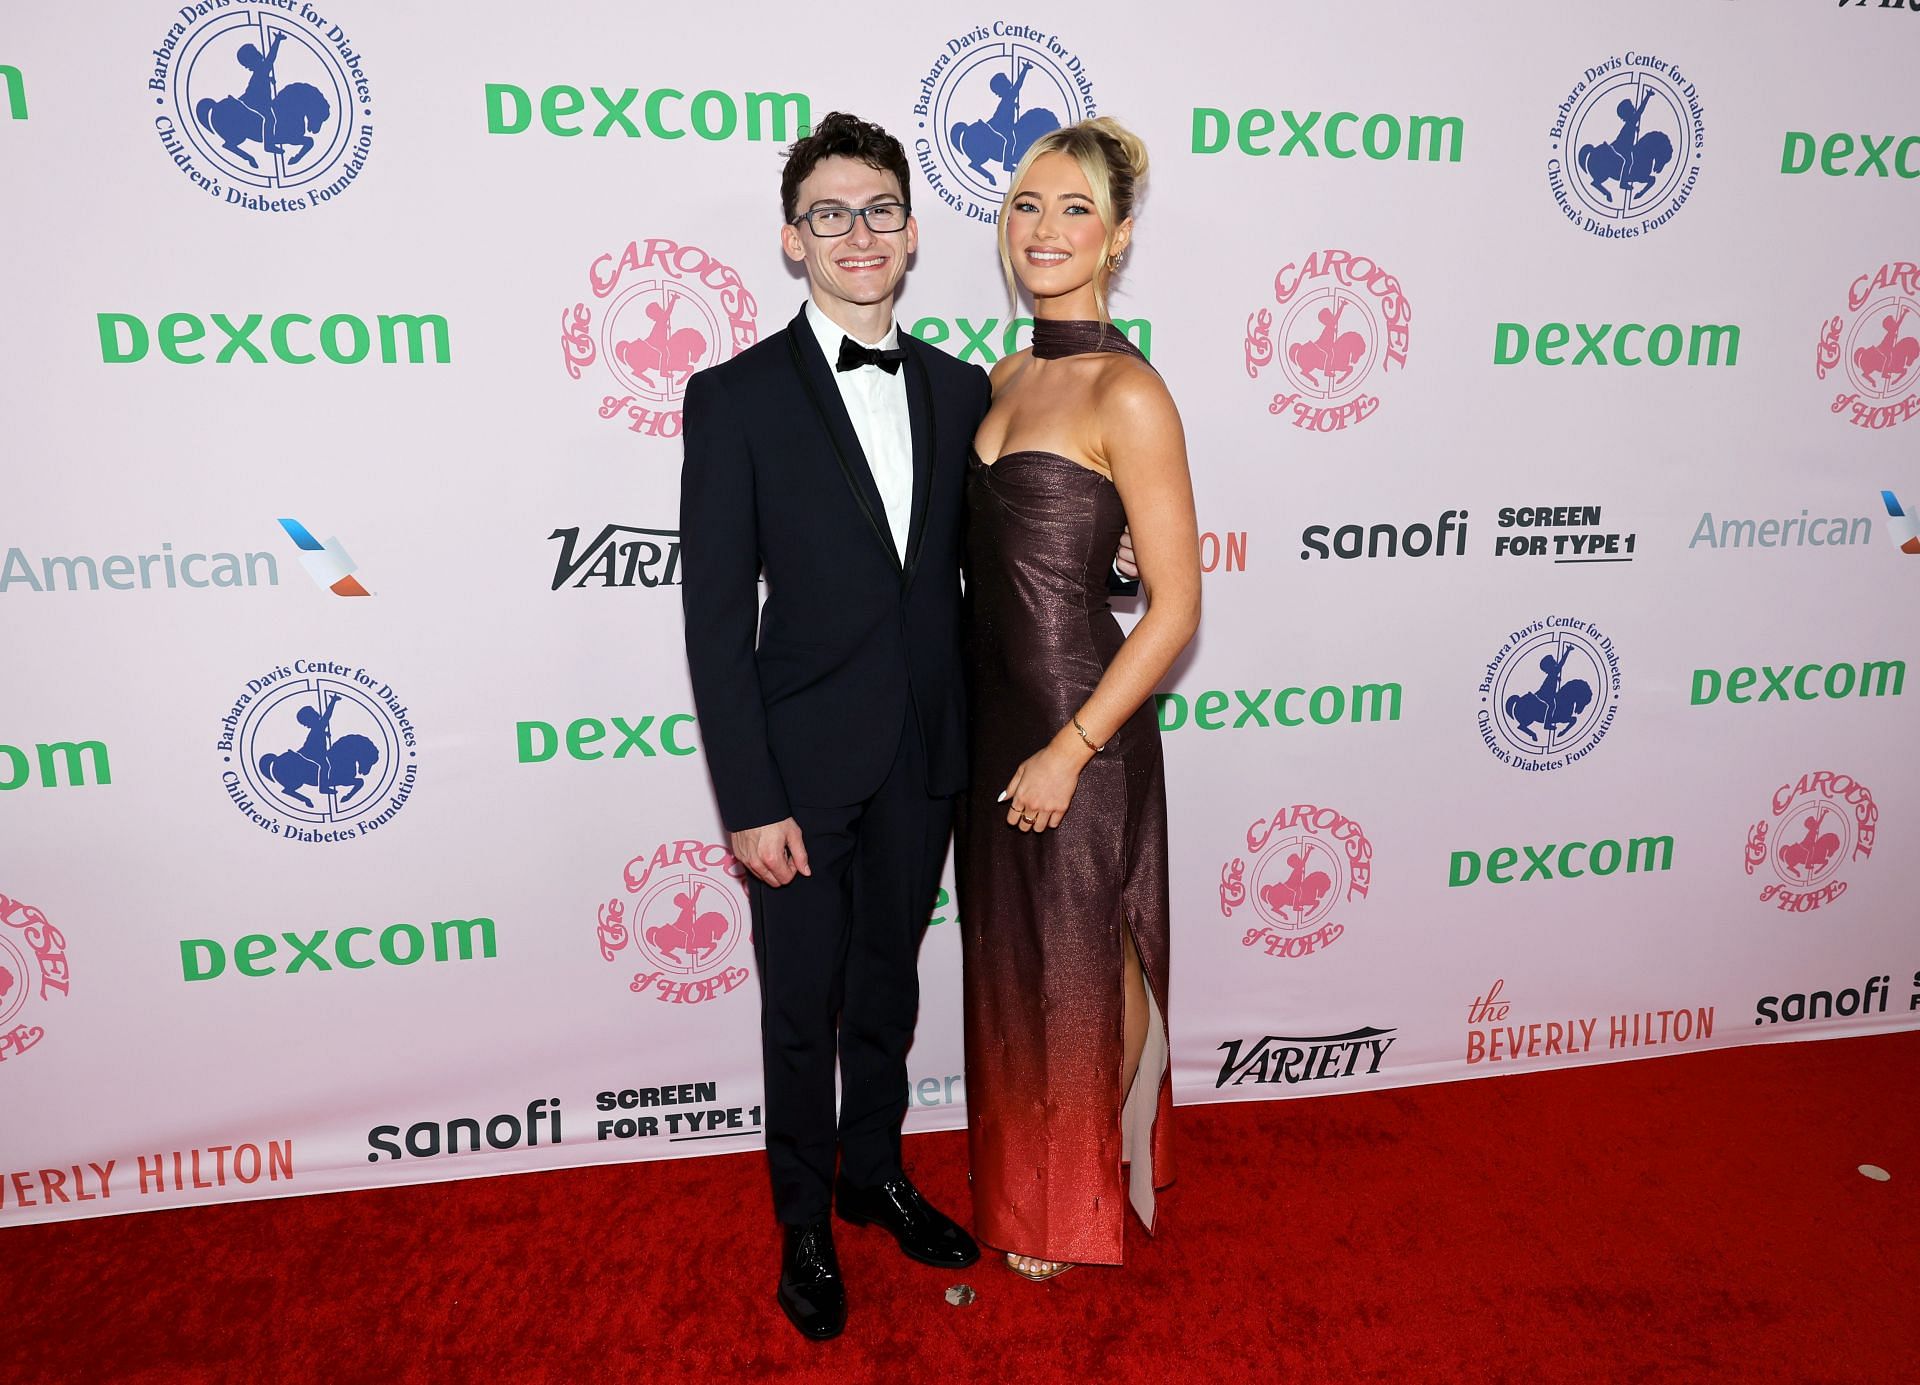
(1124,560)
(775,853)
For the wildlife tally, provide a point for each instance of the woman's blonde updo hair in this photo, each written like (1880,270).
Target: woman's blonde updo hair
(1114,161)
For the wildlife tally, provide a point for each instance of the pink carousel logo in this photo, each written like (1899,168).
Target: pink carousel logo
(658,311)
(1819,825)
(1342,326)
(1875,347)
(33,968)
(1309,862)
(684,913)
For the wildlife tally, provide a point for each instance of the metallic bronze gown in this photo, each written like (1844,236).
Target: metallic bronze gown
(1041,913)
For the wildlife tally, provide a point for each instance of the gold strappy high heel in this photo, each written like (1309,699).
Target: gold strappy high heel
(1040,1277)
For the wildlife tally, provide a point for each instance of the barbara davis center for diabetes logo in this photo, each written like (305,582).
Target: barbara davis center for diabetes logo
(318,751)
(1550,694)
(990,94)
(1626,146)
(262,106)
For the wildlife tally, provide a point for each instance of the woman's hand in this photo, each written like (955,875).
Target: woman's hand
(1041,790)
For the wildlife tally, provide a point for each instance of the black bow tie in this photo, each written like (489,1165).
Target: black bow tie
(853,355)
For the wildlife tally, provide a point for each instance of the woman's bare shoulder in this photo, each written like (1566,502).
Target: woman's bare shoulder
(1007,367)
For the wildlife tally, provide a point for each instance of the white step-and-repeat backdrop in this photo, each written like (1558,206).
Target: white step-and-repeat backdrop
(1552,381)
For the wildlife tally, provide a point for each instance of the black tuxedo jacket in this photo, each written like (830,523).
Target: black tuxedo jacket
(854,637)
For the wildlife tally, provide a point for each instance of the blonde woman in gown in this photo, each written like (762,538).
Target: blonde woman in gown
(1062,838)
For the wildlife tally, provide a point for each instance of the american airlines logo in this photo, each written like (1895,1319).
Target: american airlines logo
(1900,525)
(328,564)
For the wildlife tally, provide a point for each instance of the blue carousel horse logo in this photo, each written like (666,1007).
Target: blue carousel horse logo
(1004,136)
(261,115)
(320,763)
(1631,160)
(1554,705)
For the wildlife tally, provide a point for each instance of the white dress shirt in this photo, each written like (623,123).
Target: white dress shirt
(877,404)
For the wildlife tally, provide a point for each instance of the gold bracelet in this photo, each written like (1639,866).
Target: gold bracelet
(1096,749)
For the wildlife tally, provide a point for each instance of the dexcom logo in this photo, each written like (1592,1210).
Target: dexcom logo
(292,338)
(666,113)
(1630,344)
(1558,861)
(1835,155)
(1346,134)
(354,949)
(1802,682)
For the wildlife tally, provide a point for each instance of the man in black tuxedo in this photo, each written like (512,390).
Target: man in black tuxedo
(832,457)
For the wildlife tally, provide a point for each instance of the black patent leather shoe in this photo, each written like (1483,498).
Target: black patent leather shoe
(923,1231)
(812,1294)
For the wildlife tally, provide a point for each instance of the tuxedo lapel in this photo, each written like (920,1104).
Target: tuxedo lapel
(816,376)
(920,415)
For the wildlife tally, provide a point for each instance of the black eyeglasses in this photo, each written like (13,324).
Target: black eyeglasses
(881,218)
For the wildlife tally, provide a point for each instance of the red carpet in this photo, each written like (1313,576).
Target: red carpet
(1687,1218)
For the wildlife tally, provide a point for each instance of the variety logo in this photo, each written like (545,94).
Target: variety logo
(125,572)
(326,563)
(990,94)
(319,752)
(685,916)
(1493,1036)
(33,970)
(1309,863)
(1550,694)
(262,107)
(1343,321)
(684,1111)
(1417,138)
(1884,4)
(1640,855)
(14,86)
(1327,705)
(1802,532)
(1446,538)
(1574,535)
(660,311)
(176,1171)
(978,342)
(1822,1005)
(1900,528)
(667,113)
(1627,145)
(1818,826)
(17,768)
(1875,345)
(429,1139)
(1277,1058)
(1836,155)
(1802,683)
(621,555)
(342,338)
(354,949)
(540,741)
(1629,344)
